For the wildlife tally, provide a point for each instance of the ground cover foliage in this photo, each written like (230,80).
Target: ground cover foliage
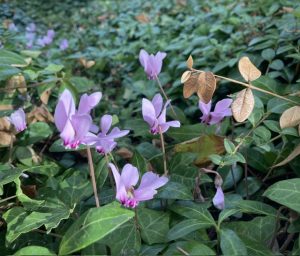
(245,50)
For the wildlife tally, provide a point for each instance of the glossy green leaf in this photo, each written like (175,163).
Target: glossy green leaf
(175,190)
(231,244)
(34,250)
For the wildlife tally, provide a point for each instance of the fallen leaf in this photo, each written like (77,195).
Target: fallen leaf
(142,18)
(243,105)
(124,153)
(185,76)
(6,138)
(190,62)
(5,125)
(29,190)
(87,63)
(290,117)
(6,107)
(207,86)
(205,145)
(40,114)
(247,69)
(45,96)
(295,153)
(191,86)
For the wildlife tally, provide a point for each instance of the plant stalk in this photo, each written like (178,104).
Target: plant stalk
(92,174)
(162,142)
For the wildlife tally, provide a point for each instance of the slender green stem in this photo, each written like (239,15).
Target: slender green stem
(10,149)
(163,151)
(8,198)
(92,174)
(111,179)
(165,95)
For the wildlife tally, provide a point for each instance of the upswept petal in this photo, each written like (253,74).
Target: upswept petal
(87,102)
(117,133)
(90,139)
(81,125)
(68,133)
(222,105)
(106,145)
(205,108)
(121,191)
(105,124)
(129,176)
(148,112)
(162,118)
(143,57)
(158,62)
(218,199)
(215,118)
(157,103)
(60,116)
(18,119)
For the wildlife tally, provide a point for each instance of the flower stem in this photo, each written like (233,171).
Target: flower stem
(163,151)
(92,174)
(165,95)
(111,179)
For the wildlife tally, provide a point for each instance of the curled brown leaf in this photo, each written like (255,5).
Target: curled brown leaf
(207,86)
(247,69)
(191,86)
(243,105)
(290,117)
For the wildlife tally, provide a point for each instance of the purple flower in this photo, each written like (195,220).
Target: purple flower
(64,44)
(12,27)
(18,119)
(31,27)
(74,125)
(222,109)
(46,40)
(218,199)
(152,64)
(127,195)
(104,141)
(154,113)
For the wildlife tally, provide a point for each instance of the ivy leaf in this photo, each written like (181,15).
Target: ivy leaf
(231,244)
(285,192)
(175,190)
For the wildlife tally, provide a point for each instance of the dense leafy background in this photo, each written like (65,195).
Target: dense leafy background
(54,205)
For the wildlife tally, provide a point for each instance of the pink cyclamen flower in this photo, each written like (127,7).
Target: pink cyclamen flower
(152,64)
(104,141)
(74,124)
(222,109)
(218,199)
(64,44)
(127,195)
(154,113)
(18,119)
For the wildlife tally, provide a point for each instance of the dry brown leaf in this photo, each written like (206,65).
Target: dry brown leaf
(294,153)
(29,190)
(191,86)
(124,153)
(290,117)
(190,62)
(5,125)
(87,63)
(207,86)
(243,105)
(247,69)
(185,76)
(299,129)
(40,114)
(45,96)
(6,138)
(142,18)
(17,81)
(6,107)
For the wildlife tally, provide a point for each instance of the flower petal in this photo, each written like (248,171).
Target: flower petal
(129,176)
(117,133)
(205,108)
(148,112)
(158,62)
(143,57)
(223,106)
(105,124)
(68,133)
(157,103)
(218,199)
(87,102)
(81,125)
(121,191)
(18,119)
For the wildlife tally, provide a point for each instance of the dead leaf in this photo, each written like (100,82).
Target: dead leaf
(142,18)
(16,82)
(207,86)
(290,117)
(87,63)
(6,138)
(124,153)
(190,62)
(45,96)
(247,69)
(6,107)
(299,129)
(5,125)
(185,76)
(243,105)
(29,190)
(295,153)
(191,86)
(39,114)
(205,145)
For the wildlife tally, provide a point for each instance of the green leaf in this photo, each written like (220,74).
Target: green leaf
(7,71)
(226,213)
(193,211)
(154,225)
(11,58)
(285,192)
(139,162)
(36,132)
(231,175)
(185,227)
(8,174)
(101,171)
(24,155)
(53,68)
(268,54)
(277,106)
(190,247)
(231,244)
(252,186)
(30,53)
(175,190)
(229,146)
(256,248)
(34,250)
(256,207)
(92,226)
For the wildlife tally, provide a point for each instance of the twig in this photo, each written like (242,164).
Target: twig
(92,174)
(163,151)
(182,251)
(287,242)
(8,198)
(281,208)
